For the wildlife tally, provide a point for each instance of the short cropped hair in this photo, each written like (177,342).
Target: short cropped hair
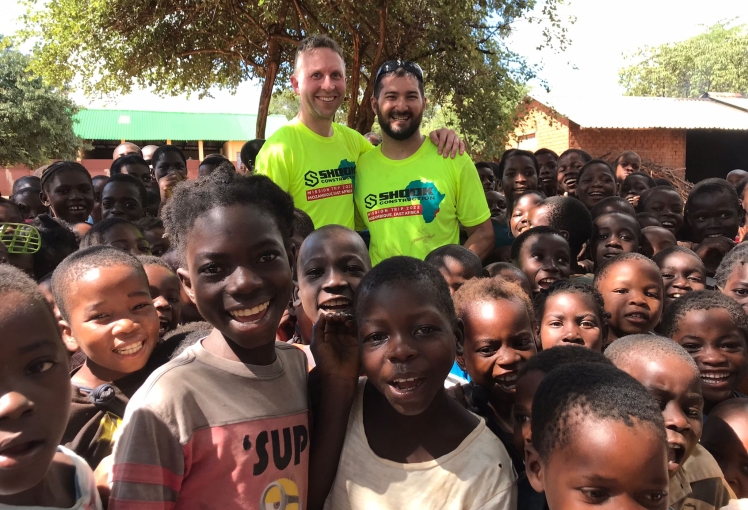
(701,300)
(410,272)
(633,175)
(149,223)
(193,198)
(647,195)
(738,256)
(314,42)
(250,150)
(26,181)
(544,151)
(15,281)
(579,392)
(606,202)
(571,286)
(130,159)
(58,242)
(166,149)
(637,227)
(560,355)
(76,265)
(601,162)
(582,154)
(529,234)
(513,153)
(129,179)
(150,260)
(714,186)
(634,348)
(491,289)
(660,256)
(302,223)
(95,236)
(213,159)
(606,266)
(571,215)
(466,258)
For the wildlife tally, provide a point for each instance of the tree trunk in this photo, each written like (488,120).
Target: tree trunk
(271,70)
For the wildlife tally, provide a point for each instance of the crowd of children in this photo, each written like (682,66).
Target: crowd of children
(179,343)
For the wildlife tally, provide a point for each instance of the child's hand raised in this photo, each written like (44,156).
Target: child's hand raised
(335,346)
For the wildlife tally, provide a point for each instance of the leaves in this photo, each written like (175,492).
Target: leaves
(188,46)
(36,121)
(715,61)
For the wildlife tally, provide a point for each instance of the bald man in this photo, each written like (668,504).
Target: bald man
(735,176)
(125,149)
(148,151)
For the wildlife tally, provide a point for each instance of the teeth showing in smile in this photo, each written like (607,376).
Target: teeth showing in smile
(250,311)
(676,295)
(76,208)
(336,304)
(132,349)
(668,224)
(326,99)
(714,378)
(547,281)
(410,383)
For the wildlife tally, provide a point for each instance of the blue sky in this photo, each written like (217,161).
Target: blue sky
(604,31)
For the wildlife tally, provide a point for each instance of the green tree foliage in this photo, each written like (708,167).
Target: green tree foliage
(187,46)
(715,61)
(36,120)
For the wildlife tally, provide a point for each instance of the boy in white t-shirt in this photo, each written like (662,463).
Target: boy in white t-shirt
(408,444)
(35,401)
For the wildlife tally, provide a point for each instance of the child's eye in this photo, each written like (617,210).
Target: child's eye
(521,418)
(594,495)
(620,291)
(354,269)
(602,237)
(625,238)
(654,295)
(487,350)
(210,269)
(555,324)
(691,347)
(667,276)
(588,324)
(140,306)
(732,346)
(744,469)
(655,497)
(268,257)
(314,273)
(376,338)
(741,292)
(695,279)
(425,330)
(172,301)
(39,366)
(694,412)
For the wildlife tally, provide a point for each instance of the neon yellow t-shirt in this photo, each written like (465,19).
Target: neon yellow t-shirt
(415,205)
(317,171)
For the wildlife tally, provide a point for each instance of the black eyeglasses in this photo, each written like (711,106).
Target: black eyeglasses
(393,65)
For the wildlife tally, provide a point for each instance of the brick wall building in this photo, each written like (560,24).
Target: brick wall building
(675,133)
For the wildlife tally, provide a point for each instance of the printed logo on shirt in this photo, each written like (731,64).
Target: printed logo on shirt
(427,194)
(282,494)
(294,441)
(346,171)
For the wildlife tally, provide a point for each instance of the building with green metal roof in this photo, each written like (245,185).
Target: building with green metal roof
(197,134)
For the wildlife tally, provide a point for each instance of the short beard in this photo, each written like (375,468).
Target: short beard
(399,135)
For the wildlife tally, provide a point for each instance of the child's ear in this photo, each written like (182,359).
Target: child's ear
(459,331)
(295,299)
(45,199)
(67,337)
(184,277)
(534,468)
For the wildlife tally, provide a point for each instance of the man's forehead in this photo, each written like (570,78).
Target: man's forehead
(320,58)
(400,82)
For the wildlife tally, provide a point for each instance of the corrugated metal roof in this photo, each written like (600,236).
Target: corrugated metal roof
(628,112)
(143,125)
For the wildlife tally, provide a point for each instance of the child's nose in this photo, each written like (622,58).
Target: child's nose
(711,355)
(161,303)
(14,405)
(334,279)
(674,418)
(125,327)
(243,280)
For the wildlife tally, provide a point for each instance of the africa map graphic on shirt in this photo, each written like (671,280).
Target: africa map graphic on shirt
(429,198)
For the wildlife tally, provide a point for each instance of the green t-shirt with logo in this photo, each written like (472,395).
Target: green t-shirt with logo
(317,171)
(414,205)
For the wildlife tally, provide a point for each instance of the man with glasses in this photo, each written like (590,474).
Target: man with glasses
(313,158)
(410,198)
